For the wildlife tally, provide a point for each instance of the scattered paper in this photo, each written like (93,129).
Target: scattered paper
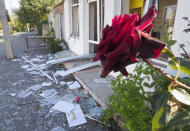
(46,84)
(63,106)
(68,98)
(24,94)
(48,93)
(35,87)
(59,72)
(75,85)
(101,81)
(62,83)
(80,119)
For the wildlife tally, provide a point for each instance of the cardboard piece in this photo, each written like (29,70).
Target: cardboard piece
(79,117)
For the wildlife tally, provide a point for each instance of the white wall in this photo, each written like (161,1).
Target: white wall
(78,45)
(112,8)
(183,10)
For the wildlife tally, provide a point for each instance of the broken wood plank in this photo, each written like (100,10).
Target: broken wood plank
(79,57)
(37,68)
(89,65)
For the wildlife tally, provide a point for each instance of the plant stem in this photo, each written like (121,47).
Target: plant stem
(166,75)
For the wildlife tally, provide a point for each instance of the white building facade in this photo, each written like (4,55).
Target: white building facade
(84,21)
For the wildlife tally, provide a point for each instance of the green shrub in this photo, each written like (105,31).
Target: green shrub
(55,45)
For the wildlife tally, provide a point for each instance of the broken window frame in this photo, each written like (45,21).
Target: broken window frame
(75,26)
(164,21)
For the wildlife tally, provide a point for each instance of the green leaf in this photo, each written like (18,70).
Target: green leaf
(155,121)
(171,42)
(170,54)
(184,65)
(146,84)
(181,95)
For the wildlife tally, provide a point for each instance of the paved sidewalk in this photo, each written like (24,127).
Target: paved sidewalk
(32,113)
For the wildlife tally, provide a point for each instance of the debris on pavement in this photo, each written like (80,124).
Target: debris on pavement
(35,60)
(56,82)
(38,68)
(62,83)
(79,117)
(25,66)
(95,120)
(58,129)
(35,88)
(45,84)
(74,85)
(63,106)
(96,112)
(13,94)
(24,94)
(68,98)
(59,72)
(73,70)
(53,100)
(48,93)
(77,99)
(78,57)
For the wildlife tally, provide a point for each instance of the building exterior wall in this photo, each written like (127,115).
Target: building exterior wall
(80,45)
(183,10)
